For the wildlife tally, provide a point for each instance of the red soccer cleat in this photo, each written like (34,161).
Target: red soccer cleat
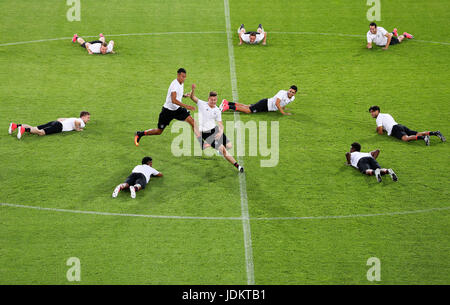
(101,34)
(20,132)
(407,35)
(12,127)
(395,32)
(75,37)
(224,105)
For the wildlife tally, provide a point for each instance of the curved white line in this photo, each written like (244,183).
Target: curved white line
(212,32)
(224,218)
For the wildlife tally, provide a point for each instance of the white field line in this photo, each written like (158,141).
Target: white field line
(193,33)
(242,183)
(225,218)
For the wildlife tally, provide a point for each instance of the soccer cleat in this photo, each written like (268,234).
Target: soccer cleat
(116,191)
(407,35)
(378,174)
(20,132)
(241,169)
(224,105)
(441,136)
(132,192)
(427,140)
(241,27)
(75,37)
(393,175)
(101,35)
(395,32)
(12,127)
(137,137)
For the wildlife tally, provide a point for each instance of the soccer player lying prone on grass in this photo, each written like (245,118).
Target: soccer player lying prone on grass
(213,134)
(278,102)
(139,178)
(252,37)
(382,38)
(60,125)
(97,46)
(366,162)
(386,121)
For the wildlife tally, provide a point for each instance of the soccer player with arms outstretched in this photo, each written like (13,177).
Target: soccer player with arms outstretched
(213,134)
(97,46)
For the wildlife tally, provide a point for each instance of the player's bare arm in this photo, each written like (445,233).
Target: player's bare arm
(369,45)
(78,126)
(347,155)
(221,129)
(192,94)
(375,153)
(176,102)
(277,103)
(380,129)
(389,36)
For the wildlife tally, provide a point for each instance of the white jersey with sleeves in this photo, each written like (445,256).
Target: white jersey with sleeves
(386,121)
(356,156)
(175,86)
(379,38)
(146,170)
(284,100)
(208,116)
(69,124)
(95,47)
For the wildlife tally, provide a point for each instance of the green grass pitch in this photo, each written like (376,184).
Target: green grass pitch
(338,81)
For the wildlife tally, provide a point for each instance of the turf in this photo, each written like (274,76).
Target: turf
(338,80)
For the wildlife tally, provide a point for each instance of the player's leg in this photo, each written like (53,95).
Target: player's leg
(230,158)
(165,117)
(140,184)
(235,106)
(102,38)
(119,188)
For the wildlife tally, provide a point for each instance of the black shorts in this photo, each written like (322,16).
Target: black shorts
(260,106)
(51,127)
(91,42)
(394,40)
(366,163)
(137,178)
(166,115)
(399,131)
(208,136)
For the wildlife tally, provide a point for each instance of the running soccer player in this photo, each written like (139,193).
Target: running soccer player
(252,37)
(97,46)
(139,178)
(367,163)
(213,134)
(386,122)
(60,125)
(278,102)
(382,38)
(173,109)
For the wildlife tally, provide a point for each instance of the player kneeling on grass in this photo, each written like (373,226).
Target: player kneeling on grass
(60,125)
(140,176)
(382,38)
(278,102)
(97,46)
(252,37)
(366,162)
(386,121)
(213,134)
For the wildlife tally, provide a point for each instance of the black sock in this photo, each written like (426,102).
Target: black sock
(233,107)
(420,137)
(27,129)
(231,103)
(433,133)
(236,164)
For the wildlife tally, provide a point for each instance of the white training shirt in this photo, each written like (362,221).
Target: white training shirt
(95,47)
(146,170)
(387,121)
(69,124)
(246,38)
(356,155)
(284,100)
(175,86)
(208,116)
(379,38)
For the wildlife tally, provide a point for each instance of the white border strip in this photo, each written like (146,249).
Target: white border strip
(212,32)
(224,218)
(242,183)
